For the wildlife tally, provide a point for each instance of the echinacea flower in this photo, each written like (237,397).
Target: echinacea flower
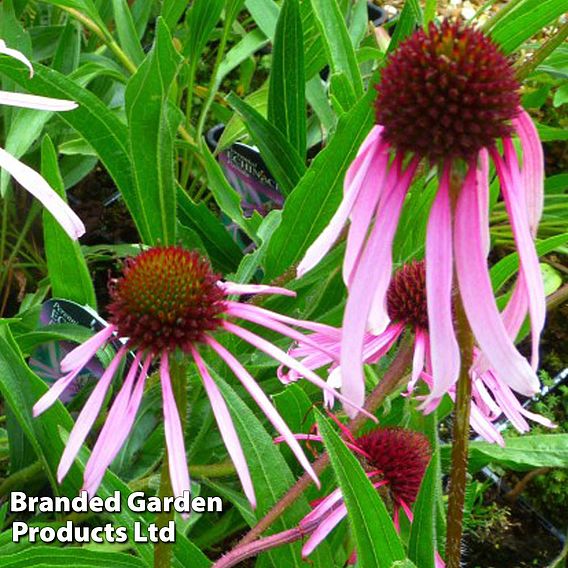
(395,461)
(407,311)
(24,175)
(448,98)
(169,299)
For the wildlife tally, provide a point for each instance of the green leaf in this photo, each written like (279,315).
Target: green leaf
(282,159)
(509,265)
(287,87)
(525,20)
(152,126)
(127,35)
(422,545)
(66,266)
(410,18)
(201,19)
(235,128)
(221,249)
(521,453)
(377,544)
(85,8)
(172,11)
(314,201)
(338,46)
(79,558)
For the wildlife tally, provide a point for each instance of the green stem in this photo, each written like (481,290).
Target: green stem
(163,551)
(526,68)
(458,475)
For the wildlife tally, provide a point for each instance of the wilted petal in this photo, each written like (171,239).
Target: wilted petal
(41,190)
(324,528)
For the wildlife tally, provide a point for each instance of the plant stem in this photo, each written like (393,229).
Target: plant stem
(163,551)
(458,475)
(526,68)
(390,382)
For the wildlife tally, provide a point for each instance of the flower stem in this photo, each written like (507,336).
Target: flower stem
(458,475)
(390,382)
(163,551)
(556,40)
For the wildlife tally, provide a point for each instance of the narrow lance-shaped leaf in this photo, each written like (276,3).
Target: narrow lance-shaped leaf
(68,272)
(340,52)
(152,126)
(287,86)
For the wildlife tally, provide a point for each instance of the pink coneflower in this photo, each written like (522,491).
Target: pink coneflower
(170,300)
(394,459)
(447,96)
(408,312)
(24,175)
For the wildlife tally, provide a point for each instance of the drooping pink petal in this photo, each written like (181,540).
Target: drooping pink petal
(363,212)
(265,405)
(444,350)
(240,289)
(532,172)
(483,189)
(279,355)
(175,443)
(41,190)
(324,528)
(250,314)
(477,295)
(325,505)
(117,426)
(511,187)
(226,427)
(376,346)
(417,358)
(54,392)
(399,182)
(83,353)
(87,416)
(354,178)
(373,270)
(483,426)
(14,53)
(323,328)
(22,100)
